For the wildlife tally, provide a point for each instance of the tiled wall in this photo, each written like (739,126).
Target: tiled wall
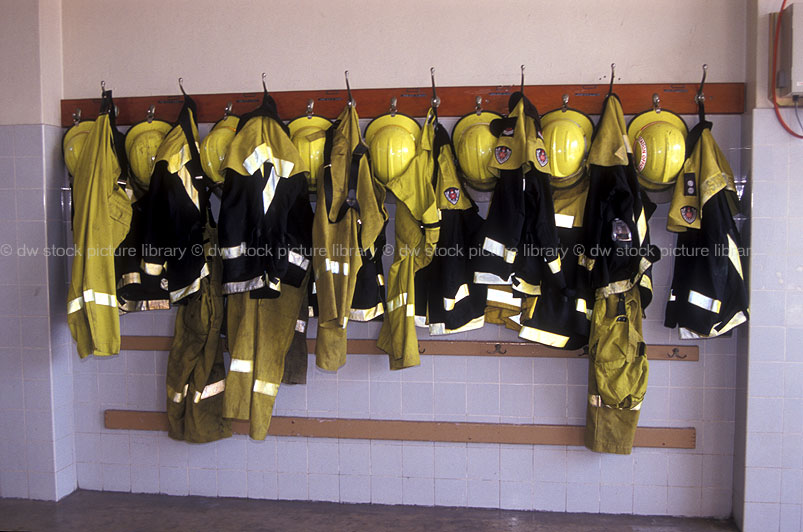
(489,389)
(773,441)
(36,435)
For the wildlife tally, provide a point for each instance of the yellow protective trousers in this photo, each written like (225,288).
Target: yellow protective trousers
(195,368)
(260,332)
(617,374)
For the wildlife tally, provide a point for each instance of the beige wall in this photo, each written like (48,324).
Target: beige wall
(140,47)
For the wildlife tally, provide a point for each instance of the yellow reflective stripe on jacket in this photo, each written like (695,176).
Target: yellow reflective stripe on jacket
(90,296)
(210,390)
(704,302)
(497,248)
(241,366)
(462,292)
(266,388)
(543,337)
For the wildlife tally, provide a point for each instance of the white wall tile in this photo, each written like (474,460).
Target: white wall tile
(516,370)
(762,485)
(650,469)
(42,486)
(291,455)
(717,502)
(293,486)
(685,469)
(550,497)
(261,455)
(418,460)
(483,462)
(200,456)
(356,488)
(450,369)
(760,517)
(355,457)
(650,500)
(353,399)
(582,497)
(516,463)
(263,485)
(791,486)
(582,467)
(450,461)
(116,477)
(450,492)
(418,491)
(66,481)
(203,482)
(684,501)
(417,398)
(173,480)
(717,471)
(322,456)
(324,487)
(483,369)
(232,483)
(385,400)
(145,479)
(790,517)
(516,400)
(517,495)
(421,373)
(89,476)
(615,499)
(483,493)
(386,490)
(173,453)
(386,459)
(115,449)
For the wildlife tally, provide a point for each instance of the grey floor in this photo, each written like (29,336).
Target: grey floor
(103,511)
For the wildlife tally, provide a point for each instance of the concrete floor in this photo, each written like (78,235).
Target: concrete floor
(104,511)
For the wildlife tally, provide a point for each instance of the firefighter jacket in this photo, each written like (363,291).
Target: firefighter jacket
(265,215)
(178,210)
(349,219)
(619,257)
(195,376)
(447,300)
(555,317)
(417,233)
(708,295)
(101,220)
(518,243)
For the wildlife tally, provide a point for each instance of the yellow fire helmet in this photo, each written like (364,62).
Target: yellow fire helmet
(474,144)
(73,142)
(142,141)
(308,135)
(391,140)
(567,137)
(659,148)
(215,145)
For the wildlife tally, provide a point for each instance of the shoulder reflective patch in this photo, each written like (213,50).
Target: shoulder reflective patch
(564,220)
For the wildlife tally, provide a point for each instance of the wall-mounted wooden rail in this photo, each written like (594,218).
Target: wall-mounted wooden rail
(435,431)
(687,353)
(720,98)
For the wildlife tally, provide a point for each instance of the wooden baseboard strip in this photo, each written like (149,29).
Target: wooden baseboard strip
(687,353)
(435,431)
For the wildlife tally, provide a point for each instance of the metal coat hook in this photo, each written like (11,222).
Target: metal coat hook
(181,86)
(76,116)
(351,102)
(565,106)
(102,87)
(613,75)
(393,106)
(436,102)
(676,354)
(497,350)
(478,105)
(310,105)
(421,350)
(150,114)
(656,103)
(264,82)
(700,97)
(522,79)
(227,110)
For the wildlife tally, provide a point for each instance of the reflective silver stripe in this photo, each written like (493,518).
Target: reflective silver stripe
(586,262)
(462,292)
(525,287)
(175,396)
(489,278)
(497,248)
(564,220)
(554,266)
(176,295)
(366,314)
(501,296)
(254,162)
(336,267)
(232,252)
(596,401)
(301,326)
(380,280)
(186,181)
(298,260)
(241,366)
(704,302)
(129,278)
(646,282)
(397,302)
(420,321)
(243,286)
(581,306)
(210,390)
(440,328)
(151,269)
(641,225)
(733,256)
(543,337)
(75,305)
(266,388)
(269,190)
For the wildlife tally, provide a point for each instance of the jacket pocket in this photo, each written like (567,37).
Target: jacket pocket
(119,215)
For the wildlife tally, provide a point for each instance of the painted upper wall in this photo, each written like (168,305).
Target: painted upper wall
(141,47)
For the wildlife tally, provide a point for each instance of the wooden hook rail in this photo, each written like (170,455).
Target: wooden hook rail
(433,431)
(687,353)
(720,98)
